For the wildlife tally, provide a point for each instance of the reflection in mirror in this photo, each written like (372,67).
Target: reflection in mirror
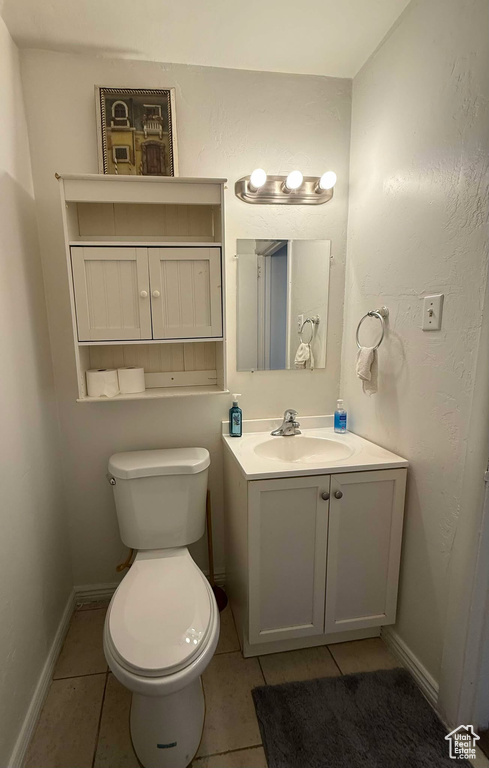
(282,305)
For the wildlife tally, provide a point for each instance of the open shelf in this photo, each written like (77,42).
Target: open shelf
(137,241)
(155,393)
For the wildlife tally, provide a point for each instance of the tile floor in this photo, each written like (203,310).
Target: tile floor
(85,720)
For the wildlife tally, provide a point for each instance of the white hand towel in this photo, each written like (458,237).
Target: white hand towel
(303,354)
(367,369)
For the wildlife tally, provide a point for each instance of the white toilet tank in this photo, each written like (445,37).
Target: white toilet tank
(160,496)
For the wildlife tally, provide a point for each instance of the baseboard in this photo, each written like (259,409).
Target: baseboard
(426,682)
(19,751)
(89,593)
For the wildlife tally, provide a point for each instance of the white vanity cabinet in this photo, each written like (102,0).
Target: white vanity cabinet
(364,548)
(288,532)
(312,560)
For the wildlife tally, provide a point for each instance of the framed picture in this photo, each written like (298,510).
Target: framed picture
(136,130)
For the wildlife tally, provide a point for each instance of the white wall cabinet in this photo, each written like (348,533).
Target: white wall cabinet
(111,293)
(147,293)
(145,264)
(185,292)
(322,556)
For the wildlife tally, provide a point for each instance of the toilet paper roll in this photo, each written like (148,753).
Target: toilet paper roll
(131,379)
(102,382)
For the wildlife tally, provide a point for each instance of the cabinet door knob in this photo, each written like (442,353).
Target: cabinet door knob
(143,294)
(338,494)
(156,294)
(325,496)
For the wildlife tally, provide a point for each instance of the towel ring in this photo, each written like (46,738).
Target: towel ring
(380,314)
(313,321)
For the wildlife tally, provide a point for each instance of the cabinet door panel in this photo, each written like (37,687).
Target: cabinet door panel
(287,557)
(107,285)
(186,292)
(364,542)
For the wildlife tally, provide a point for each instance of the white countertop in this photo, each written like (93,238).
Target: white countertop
(360,455)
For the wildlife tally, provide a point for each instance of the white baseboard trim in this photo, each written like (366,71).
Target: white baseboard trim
(426,682)
(89,593)
(19,751)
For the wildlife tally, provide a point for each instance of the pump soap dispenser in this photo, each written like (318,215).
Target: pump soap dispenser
(340,418)
(235,419)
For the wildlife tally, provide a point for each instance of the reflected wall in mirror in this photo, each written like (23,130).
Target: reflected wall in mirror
(282,304)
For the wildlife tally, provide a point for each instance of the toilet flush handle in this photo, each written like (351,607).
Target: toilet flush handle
(111,479)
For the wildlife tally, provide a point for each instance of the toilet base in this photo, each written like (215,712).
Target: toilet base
(166,730)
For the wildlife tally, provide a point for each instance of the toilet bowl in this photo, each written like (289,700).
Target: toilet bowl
(162,625)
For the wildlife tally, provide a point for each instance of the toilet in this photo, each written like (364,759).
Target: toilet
(162,625)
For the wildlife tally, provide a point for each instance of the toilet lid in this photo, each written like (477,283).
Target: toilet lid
(161,613)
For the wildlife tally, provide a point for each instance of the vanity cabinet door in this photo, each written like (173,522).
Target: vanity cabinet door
(364,546)
(186,292)
(111,287)
(288,523)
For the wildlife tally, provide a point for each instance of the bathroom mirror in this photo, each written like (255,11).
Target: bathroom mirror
(282,304)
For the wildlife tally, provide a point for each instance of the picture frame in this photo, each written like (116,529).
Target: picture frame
(136,131)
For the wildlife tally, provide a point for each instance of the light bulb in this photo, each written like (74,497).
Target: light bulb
(257,179)
(327,180)
(294,180)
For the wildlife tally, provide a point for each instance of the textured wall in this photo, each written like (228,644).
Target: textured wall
(35,575)
(229,122)
(418,225)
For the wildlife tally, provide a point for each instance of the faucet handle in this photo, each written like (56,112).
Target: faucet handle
(290,414)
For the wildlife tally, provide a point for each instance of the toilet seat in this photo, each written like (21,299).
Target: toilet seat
(160,616)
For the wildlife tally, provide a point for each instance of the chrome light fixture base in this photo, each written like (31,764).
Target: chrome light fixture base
(274,192)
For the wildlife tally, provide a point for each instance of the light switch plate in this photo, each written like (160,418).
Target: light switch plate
(432,312)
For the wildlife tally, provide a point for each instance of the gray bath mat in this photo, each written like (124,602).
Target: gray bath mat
(371,720)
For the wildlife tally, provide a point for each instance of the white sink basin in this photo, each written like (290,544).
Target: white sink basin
(318,450)
(299,448)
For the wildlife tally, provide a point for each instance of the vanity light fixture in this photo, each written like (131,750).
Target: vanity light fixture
(327,181)
(293,181)
(293,189)
(257,179)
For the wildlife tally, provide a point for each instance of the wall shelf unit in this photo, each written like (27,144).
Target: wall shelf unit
(146,276)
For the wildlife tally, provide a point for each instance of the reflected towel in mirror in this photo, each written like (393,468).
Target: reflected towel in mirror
(303,354)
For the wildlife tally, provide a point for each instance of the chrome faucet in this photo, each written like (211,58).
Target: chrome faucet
(289,425)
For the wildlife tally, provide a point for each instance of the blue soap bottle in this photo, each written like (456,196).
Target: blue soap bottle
(235,419)
(340,418)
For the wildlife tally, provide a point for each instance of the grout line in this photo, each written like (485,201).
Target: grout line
(229,751)
(85,674)
(261,670)
(335,662)
(226,653)
(100,720)
(234,620)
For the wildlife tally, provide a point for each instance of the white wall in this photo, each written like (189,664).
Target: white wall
(35,575)
(229,122)
(418,224)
